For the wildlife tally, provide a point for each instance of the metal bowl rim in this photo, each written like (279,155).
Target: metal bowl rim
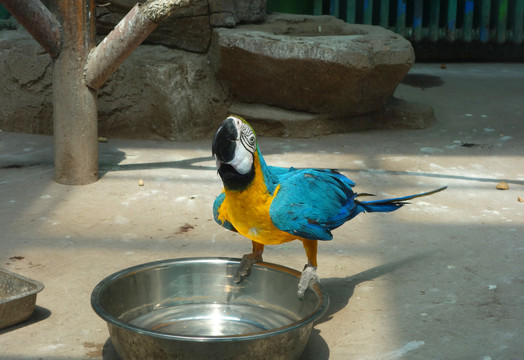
(112,320)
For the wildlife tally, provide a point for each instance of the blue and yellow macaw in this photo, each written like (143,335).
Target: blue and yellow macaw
(272,205)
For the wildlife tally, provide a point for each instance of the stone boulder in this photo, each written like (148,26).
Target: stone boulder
(314,64)
(162,93)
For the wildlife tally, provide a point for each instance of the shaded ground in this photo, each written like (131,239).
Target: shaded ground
(441,278)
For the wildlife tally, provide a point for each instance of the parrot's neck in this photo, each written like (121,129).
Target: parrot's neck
(259,175)
(234,181)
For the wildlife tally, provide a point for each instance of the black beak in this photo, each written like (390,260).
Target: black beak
(224,141)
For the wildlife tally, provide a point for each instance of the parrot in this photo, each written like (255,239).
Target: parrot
(273,205)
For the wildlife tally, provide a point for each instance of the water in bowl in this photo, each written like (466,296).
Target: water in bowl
(214,319)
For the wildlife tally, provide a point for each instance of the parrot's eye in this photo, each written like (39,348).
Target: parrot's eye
(248,138)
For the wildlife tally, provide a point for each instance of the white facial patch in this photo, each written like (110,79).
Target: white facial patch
(243,160)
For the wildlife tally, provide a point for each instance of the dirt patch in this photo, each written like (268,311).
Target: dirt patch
(185,228)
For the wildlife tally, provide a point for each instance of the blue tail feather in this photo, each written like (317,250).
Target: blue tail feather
(388,205)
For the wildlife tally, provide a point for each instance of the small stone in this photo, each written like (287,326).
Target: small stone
(502,186)
(520,199)
(102,139)
(442,66)
(140,182)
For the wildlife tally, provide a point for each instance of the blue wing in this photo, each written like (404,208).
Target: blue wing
(216,212)
(312,202)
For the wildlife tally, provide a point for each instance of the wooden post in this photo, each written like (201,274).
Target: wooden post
(451,23)
(485,13)
(334,6)
(351,11)
(518,22)
(75,121)
(400,27)
(502,17)
(418,13)
(467,32)
(434,16)
(317,7)
(368,12)
(384,14)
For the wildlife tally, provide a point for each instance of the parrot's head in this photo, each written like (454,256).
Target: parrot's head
(234,147)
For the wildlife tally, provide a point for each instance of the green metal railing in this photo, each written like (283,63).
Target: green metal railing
(467,20)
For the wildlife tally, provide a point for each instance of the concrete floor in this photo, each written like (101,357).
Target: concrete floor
(442,278)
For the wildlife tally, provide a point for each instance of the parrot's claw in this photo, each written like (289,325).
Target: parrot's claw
(308,278)
(246,263)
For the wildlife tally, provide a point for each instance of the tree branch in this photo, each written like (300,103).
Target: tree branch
(127,35)
(159,10)
(38,21)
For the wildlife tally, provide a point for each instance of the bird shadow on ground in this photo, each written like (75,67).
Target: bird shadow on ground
(111,160)
(340,291)
(187,164)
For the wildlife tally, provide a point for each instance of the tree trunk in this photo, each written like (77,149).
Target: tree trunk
(75,120)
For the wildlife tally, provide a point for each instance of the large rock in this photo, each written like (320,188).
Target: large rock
(315,64)
(163,93)
(156,93)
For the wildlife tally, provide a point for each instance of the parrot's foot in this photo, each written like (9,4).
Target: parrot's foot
(246,263)
(308,278)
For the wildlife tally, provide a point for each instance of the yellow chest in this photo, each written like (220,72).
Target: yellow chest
(248,212)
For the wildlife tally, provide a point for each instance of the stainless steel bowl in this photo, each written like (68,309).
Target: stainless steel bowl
(192,309)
